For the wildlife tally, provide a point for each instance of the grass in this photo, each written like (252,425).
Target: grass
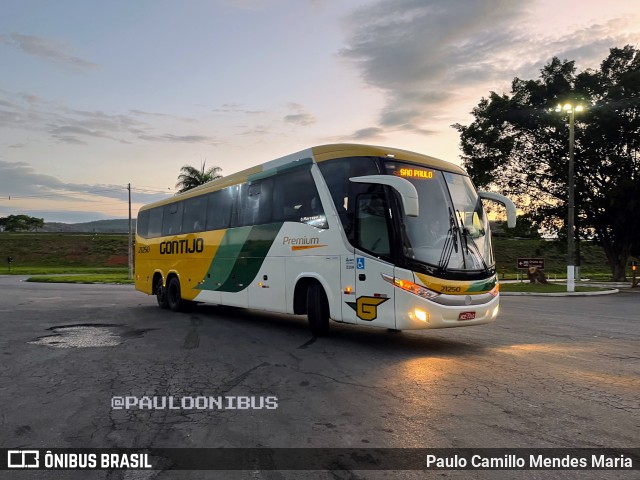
(62,252)
(56,270)
(548,288)
(106,253)
(507,251)
(83,278)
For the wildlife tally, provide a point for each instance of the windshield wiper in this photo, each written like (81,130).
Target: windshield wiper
(465,239)
(450,243)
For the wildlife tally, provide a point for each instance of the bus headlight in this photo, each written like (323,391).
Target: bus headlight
(411,287)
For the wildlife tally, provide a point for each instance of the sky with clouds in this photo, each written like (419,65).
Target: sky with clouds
(95,95)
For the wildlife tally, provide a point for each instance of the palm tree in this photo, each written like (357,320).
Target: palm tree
(190,177)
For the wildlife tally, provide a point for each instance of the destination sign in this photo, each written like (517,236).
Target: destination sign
(415,173)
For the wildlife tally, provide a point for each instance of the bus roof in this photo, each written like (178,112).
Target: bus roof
(320,154)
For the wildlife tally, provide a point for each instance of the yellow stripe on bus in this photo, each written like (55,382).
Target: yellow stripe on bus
(305,247)
(457,287)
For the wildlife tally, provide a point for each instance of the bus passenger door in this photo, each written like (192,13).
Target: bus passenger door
(374,304)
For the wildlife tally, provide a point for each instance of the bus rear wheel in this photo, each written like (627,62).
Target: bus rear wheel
(161,293)
(174,298)
(317,310)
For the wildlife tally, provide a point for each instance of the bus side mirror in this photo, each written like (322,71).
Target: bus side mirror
(405,189)
(509,205)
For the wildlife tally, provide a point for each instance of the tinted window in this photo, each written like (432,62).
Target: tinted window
(194,214)
(256,201)
(172,219)
(142,224)
(155,222)
(296,199)
(373,227)
(219,208)
(337,173)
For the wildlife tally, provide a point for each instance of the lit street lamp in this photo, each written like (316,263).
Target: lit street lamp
(571,249)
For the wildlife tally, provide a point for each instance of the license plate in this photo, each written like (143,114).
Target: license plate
(467,316)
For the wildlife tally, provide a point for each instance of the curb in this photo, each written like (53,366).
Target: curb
(559,294)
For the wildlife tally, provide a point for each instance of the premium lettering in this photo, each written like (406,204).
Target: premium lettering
(300,241)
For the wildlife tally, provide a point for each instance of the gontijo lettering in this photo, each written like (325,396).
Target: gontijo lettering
(182,246)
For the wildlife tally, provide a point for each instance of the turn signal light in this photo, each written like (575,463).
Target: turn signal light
(410,287)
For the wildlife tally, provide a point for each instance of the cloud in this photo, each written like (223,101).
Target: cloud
(416,51)
(299,116)
(168,137)
(46,49)
(235,108)
(367,133)
(20,181)
(79,127)
(426,55)
(156,115)
(258,130)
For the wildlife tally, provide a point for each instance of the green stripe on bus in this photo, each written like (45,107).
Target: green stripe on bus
(482,286)
(225,258)
(239,257)
(251,257)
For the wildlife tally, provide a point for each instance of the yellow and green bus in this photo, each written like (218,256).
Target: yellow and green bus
(357,234)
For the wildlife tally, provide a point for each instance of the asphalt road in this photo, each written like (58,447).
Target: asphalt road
(551,372)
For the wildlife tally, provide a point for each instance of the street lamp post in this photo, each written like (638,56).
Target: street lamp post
(571,248)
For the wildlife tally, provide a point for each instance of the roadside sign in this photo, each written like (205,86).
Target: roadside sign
(531,262)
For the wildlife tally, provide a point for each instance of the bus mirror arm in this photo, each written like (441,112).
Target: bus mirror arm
(509,205)
(405,189)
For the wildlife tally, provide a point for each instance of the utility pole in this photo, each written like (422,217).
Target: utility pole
(130,236)
(571,249)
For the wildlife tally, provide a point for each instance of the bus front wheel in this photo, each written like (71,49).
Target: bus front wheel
(161,293)
(317,310)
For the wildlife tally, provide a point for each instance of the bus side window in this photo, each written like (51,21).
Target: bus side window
(249,202)
(194,215)
(336,174)
(219,208)
(155,222)
(296,199)
(172,219)
(255,202)
(142,223)
(265,201)
(372,230)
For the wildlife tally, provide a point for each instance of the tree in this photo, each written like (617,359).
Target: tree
(190,177)
(526,227)
(20,223)
(517,144)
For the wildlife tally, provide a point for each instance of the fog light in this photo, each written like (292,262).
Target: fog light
(421,315)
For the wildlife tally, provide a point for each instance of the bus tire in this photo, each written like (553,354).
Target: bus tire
(317,310)
(161,293)
(174,298)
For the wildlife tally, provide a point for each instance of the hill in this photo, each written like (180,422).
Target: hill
(120,225)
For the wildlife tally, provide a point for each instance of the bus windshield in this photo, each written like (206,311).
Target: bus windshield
(451,231)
